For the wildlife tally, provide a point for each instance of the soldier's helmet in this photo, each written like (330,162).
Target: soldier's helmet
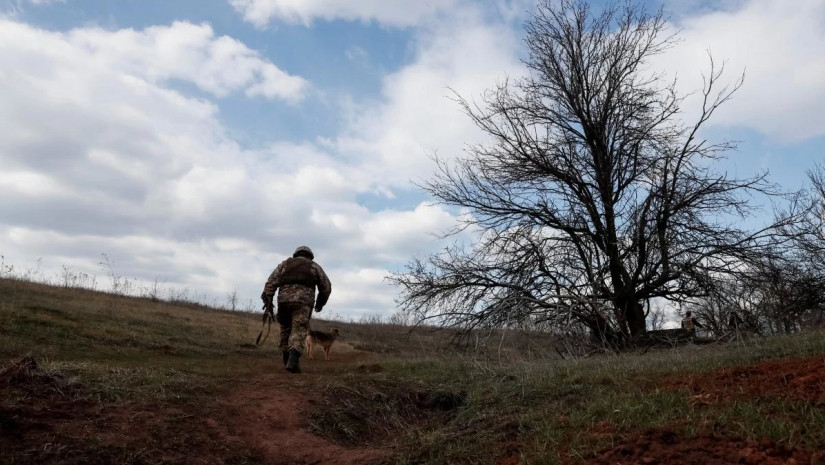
(304,251)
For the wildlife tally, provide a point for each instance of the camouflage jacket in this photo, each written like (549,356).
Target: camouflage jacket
(297,278)
(690,323)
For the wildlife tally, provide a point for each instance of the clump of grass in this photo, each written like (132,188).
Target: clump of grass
(434,403)
(562,411)
(377,411)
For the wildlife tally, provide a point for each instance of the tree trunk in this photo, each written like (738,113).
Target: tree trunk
(602,334)
(633,313)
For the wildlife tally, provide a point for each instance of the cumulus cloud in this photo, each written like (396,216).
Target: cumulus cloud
(394,13)
(182,51)
(102,152)
(418,116)
(780,49)
(101,155)
(778,46)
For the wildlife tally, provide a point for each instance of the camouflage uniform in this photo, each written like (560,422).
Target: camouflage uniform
(295,279)
(689,323)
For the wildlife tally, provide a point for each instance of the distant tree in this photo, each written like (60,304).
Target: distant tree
(812,243)
(782,292)
(790,291)
(794,287)
(776,296)
(808,230)
(593,196)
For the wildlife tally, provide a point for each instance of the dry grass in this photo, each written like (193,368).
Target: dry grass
(432,401)
(563,411)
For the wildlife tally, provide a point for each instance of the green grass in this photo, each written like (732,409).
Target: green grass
(553,410)
(112,354)
(413,391)
(126,348)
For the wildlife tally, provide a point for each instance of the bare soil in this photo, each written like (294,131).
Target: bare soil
(796,379)
(267,414)
(666,447)
(49,419)
(46,418)
(789,378)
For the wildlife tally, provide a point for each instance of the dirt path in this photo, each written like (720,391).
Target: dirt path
(266,414)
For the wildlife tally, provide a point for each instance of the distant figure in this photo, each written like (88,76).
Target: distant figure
(735,322)
(689,323)
(297,278)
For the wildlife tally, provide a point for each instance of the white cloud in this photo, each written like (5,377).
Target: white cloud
(780,48)
(459,47)
(99,155)
(182,51)
(364,292)
(400,13)
(418,116)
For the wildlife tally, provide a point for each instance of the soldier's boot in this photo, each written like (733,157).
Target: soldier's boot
(285,355)
(292,363)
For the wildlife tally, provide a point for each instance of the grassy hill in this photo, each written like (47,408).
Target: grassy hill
(90,377)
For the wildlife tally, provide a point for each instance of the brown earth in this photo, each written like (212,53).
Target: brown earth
(789,378)
(666,447)
(266,413)
(796,379)
(46,418)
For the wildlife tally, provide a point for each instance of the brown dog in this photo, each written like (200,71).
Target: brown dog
(323,338)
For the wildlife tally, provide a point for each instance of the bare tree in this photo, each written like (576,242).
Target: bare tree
(807,232)
(783,292)
(775,296)
(593,196)
(790,291)
(793,287)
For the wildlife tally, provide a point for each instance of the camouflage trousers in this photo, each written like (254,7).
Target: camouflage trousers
(294,318)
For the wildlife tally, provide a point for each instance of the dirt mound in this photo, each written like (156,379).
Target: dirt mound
(33,406)
(666,447)
(266,414)
(378,411)
(26,374)
(32,399)
(792,378)
(46,417)
(796,379)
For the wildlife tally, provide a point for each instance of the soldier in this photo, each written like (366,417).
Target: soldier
(297,278)
(689,322)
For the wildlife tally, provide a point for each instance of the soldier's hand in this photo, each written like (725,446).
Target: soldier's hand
(318,309)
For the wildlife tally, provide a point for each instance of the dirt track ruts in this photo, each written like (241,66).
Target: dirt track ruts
(266,414)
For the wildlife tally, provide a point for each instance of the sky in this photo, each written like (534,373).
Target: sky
(196,143)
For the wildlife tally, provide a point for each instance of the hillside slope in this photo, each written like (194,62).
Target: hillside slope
(89,377)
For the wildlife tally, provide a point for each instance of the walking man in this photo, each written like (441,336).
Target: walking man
(296,279)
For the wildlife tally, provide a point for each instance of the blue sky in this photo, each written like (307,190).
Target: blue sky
(199,142)
(346,59)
